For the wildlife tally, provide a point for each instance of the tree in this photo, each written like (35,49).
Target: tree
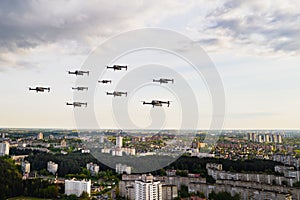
(10,179)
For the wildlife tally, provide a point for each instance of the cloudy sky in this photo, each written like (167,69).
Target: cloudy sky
(255,46)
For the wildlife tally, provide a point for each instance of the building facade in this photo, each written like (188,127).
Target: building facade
(77,187)
(52,167)
(4,148)
(148,189)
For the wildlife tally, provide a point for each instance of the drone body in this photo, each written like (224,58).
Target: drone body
(156,103)
(117,67)
(163,80)
(79,72)
(77,104)
(40,89)
(116,94)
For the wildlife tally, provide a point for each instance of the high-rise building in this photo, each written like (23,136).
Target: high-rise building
(169,192)
(267,138)
(52,167)
(40,136)
(77,187)
(119,141)
(279,138)
(2,135)
(101,139)
(93,168)
(148,189)
(260,138)
(252,136)
(4,148)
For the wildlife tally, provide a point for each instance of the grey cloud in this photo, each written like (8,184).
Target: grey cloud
(27,24)
(278,29)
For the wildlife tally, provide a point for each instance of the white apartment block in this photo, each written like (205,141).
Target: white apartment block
(148,189)
(77,187)
(52,167)
(4,148)
(119,142)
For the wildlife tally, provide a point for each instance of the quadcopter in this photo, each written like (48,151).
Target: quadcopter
(40,89)
(79,72)
(116,93)
(164,80)
(105,81)
(76,104)
(157,103)
(117,67)
(80,88)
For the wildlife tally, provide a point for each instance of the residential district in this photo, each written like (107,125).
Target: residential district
(59,164)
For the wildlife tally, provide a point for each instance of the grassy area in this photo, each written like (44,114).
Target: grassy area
(25,198)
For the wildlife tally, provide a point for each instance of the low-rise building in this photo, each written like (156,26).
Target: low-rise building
(121,168)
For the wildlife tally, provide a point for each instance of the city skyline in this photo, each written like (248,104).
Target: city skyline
(253,45)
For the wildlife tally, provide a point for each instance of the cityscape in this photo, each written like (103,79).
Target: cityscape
(242,165)
(149,100)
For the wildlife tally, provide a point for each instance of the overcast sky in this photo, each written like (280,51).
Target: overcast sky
(255,46)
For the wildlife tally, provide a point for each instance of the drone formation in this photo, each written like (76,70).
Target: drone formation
(154,103)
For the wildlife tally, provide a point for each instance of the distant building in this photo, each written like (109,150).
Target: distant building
(93,168)
(63,143)
(52,167)
(117,152)
(265,137)
(4,148)
(169,192)
(171,172)
(148,189)
(120,169)
(198,144)
(51,137)
(119,142)
(215,166)
(77,187)
(40,136)
(25,167)
(85,151)
(2,135)
(101,139)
